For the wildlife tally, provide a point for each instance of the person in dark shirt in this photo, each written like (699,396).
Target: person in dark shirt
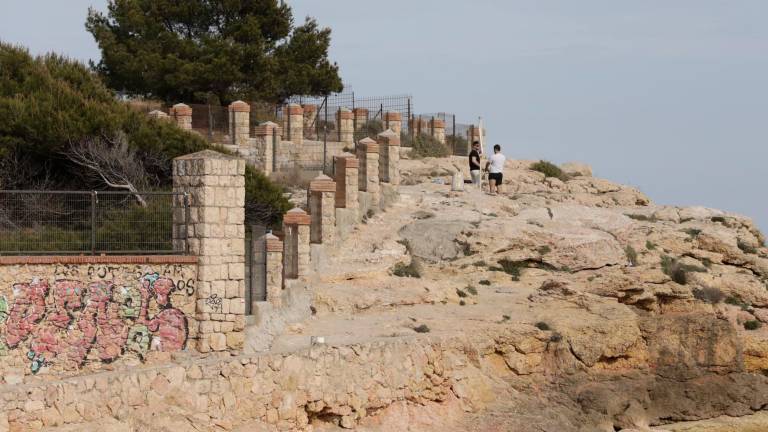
(474,164)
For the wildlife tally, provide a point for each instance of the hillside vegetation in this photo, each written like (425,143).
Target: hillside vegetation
(54,108)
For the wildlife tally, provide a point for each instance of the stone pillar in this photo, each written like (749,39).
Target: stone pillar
(268,139)
(239,123)
(310,121)
(159,115)
(347,166)
(296,223)
(295,115)
(345,126)
(361,117)
(215,184)
(274,270)
(473,134)
(182,114)
(393,120)
(322,209)
(389,157)
(437,129)
(368,178)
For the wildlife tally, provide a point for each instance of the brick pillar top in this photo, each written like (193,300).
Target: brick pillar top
(296,216)
(389,137)
(438,123)
(392,116)
(294,109)
(182,109)
(322,183)
(345,114)
(266,128)
(369,145)
(274,244)
(361,111)
(349,160)
(239,106)
(308,108)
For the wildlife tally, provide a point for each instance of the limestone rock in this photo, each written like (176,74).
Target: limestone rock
(577,169)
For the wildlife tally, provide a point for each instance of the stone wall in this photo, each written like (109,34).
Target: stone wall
(286,390)
(66,315)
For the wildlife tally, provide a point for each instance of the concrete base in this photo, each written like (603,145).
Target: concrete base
(389,196)
(366,204)
(346,219)
(268,322)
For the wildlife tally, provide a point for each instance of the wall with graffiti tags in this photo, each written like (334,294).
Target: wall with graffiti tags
(63,318)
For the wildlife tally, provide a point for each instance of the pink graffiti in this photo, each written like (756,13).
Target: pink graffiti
(169,325)
(27,310)
(79,320)
(68,297)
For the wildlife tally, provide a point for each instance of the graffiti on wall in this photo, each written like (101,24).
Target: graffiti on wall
(70,322)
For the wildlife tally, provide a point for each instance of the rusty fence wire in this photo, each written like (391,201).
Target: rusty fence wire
(92,222)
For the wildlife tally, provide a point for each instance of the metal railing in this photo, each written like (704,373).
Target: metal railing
(92,222)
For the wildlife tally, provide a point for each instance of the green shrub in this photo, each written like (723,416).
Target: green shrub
(265,202)
(631,255)
(454,142)
(369,129)
(49,103)
(461,293)
(422,329)
(709,295)
(678,271)
(412,270)
(745,247)
(642,218)
(752,325)
(485,282)
(650,245)
(543,250)
(512,268)
(550,170)
(734,300)
(426,146)
(471,289)
(692,232)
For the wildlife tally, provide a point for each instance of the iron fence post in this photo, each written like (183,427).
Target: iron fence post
(274,149)
(94,200)
(409,116)
(454,133)
(325,136)
(186,223)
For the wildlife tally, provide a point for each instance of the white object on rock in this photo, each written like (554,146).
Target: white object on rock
(457,182)
(317,340)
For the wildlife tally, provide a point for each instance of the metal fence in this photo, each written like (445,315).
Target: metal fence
(91,222)
(325,123)
(455,133)
(255,267)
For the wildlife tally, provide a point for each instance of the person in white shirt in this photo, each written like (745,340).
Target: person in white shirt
(495,167)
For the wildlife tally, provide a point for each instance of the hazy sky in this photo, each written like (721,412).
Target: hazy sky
(668,96)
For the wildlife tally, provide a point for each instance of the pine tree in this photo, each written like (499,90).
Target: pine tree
(203,50)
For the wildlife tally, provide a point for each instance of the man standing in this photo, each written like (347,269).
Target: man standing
(474,164)
(495,167)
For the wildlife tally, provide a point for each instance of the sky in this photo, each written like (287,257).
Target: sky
(667,96)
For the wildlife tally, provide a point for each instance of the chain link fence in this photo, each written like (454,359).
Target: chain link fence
(91,222)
